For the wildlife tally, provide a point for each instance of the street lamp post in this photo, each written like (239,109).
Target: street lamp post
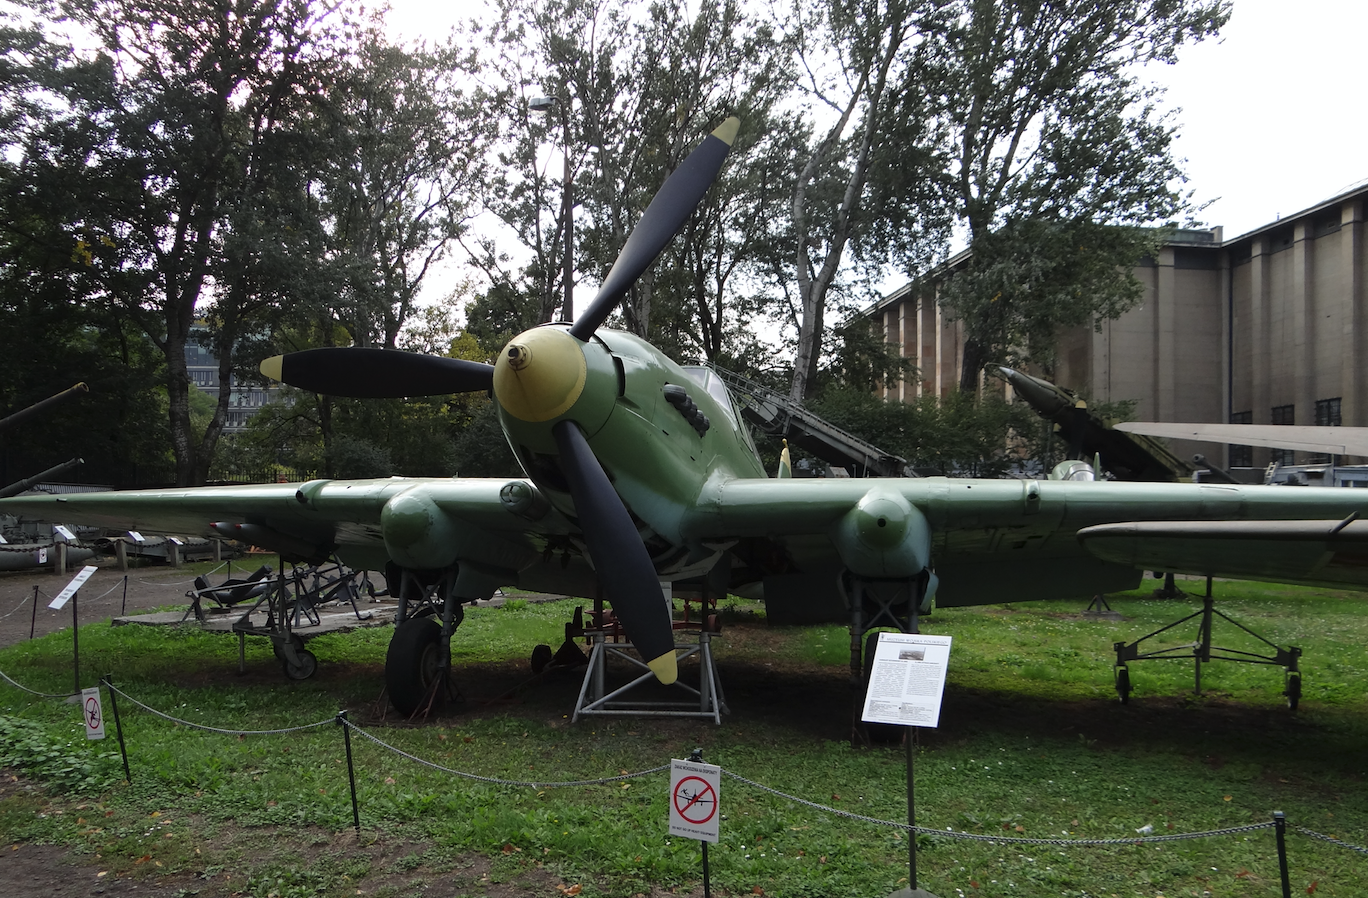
(546,104)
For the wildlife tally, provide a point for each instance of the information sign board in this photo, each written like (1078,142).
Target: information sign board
(59,601)
(907,679)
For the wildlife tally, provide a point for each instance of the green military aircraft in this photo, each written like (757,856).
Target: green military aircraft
(640,471)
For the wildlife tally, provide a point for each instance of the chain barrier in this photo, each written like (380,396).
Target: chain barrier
(19,685)
(226,732)
(177,584)
(997,840)
(29,595)
(1310,833)
(116,585)
(27,549)
(495,780)
(22,603)
(603,781)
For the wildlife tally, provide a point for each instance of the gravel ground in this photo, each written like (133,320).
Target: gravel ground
(108,593)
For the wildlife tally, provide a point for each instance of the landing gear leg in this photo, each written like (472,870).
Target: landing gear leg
(418,662)
(876,603)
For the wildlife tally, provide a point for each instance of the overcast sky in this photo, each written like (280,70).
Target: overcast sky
(1269,123)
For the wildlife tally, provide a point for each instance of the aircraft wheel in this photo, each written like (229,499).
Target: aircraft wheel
(1293,691)
(306,661)
(413,663)
(541,658)
(1123,687)
(307,666)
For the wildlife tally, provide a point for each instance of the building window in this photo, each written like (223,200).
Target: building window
(1327,415)
(1284,415)
(1241,456)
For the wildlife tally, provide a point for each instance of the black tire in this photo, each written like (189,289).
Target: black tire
(308,661)
(541,658)
(1123,687)
(875,733)
(413,663)
(307,667)
(1293,691)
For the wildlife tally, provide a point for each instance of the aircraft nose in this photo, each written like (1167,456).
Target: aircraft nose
(540,374)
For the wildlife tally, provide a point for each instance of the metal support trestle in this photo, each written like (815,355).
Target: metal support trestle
(1203,652)
(594,699)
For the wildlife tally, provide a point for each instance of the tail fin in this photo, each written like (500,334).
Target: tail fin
(785,463)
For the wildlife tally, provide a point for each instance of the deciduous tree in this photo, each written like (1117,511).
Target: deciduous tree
(1059,155)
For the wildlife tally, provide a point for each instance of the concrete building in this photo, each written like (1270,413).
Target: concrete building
(1270,327)
(244,399)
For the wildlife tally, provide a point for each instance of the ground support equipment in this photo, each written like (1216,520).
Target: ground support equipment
(595,699)
(291,604)
(1202,652)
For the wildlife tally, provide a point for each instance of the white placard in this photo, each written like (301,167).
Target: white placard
(694,788)
(907,679)
(93,713)
(64,533)
(136,537)
(70,589)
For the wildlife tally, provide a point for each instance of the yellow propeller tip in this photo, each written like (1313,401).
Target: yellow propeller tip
(271,367)
(726,132)
(665,667)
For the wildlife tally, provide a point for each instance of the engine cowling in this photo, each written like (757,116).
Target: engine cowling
(883,536)
(418,534)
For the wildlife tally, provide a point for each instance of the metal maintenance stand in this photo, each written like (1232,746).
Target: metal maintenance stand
(1203,652)
(595,701)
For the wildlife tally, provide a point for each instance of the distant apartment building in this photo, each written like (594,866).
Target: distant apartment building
(1270,327)
(244,399)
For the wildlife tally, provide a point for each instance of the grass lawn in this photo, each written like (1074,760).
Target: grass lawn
(1032,743)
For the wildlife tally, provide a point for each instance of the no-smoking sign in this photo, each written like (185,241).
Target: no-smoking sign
(694,791)
(92,712)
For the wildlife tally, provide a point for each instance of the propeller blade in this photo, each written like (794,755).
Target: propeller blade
(678,197)
(618,554)
(363,373)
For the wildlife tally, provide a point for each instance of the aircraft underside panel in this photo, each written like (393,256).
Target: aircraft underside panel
(1006,578)
(1322,562)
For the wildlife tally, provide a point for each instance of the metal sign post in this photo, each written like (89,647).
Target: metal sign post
(906,682)
(694,814)
(68,593)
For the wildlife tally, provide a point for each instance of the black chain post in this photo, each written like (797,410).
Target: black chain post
(351,771)
(118,725)
(697,757)
(1280,827)
(33,615)
(75,643)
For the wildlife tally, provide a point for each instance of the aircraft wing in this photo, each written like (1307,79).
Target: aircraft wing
(365,522)
(987,540)
(1003,540)
(1304,438)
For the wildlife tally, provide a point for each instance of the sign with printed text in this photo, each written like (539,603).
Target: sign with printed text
(694,789)
(907,679)
(93,713)
(60,600)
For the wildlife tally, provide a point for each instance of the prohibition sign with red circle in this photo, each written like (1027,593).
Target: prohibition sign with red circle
(697,808)
(92,709)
